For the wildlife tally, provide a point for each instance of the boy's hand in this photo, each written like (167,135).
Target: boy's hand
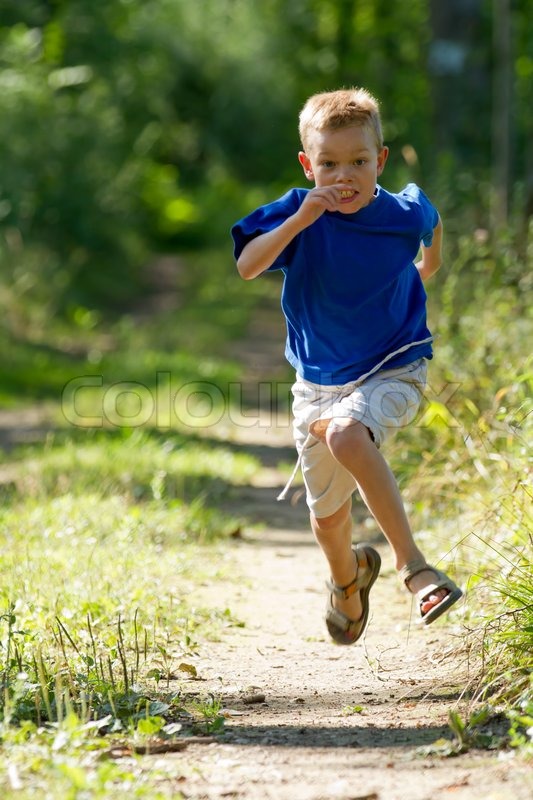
(318,200)
(261,252)
(431,256)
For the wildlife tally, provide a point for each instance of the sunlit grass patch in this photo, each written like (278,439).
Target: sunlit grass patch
(104,544)
(75,566)
(99,633)
(74,763)
(470,500)
(464,469)
(139,465)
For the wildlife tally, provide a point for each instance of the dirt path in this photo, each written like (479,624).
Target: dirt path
(336,722)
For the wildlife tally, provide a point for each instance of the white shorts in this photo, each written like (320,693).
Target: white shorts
(387,400)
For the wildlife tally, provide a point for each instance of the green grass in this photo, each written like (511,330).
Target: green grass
(105,539)
(106,530)
(464,467)
(137,464)
(43,350)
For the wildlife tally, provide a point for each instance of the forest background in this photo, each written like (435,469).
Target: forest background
(136,131)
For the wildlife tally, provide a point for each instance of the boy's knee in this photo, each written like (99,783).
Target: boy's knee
(345,436)
(333,521)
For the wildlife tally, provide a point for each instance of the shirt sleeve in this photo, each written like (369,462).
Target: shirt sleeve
(426,211)
(264,219)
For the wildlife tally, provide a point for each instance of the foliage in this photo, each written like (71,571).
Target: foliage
(154,343)
(169,470)
(131,125)
(464,465)
(99,633)
(71,760)
(134,126)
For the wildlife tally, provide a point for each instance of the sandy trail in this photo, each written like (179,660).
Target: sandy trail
(336,722)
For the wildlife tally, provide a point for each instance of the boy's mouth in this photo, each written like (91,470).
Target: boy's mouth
(347,195)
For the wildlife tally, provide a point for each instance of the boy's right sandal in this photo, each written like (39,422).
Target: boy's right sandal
(418,565)
(342,629)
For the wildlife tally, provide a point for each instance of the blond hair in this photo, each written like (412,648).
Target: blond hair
(340,109)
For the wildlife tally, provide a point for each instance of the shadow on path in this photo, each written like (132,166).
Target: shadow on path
(336,736)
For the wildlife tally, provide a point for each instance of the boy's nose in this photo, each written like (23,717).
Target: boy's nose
(345,175)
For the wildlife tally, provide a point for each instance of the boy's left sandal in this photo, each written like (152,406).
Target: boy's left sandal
(411,569)
(342,629)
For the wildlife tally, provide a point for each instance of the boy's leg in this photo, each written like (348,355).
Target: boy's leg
(334,535)
(351,444)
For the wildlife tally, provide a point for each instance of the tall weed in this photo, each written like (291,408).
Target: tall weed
(465,464)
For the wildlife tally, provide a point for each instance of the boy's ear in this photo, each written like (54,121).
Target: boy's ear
(382,158)
(306,165)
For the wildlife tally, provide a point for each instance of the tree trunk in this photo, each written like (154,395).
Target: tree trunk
(460,84)
(501,111)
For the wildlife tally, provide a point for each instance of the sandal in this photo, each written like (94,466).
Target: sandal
(342,629)
(411,569)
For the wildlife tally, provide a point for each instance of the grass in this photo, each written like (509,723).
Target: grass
(105,539)
(106,530)
(137,464)
(105,533)
(43,350)
(465,464)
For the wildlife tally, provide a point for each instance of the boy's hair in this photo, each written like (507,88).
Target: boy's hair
(339,109)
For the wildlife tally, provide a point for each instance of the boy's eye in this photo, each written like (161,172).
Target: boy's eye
(359,162)
(328,164)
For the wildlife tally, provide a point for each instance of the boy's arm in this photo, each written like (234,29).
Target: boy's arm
(260,253)
(431,256)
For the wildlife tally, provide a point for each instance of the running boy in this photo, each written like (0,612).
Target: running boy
(355,308)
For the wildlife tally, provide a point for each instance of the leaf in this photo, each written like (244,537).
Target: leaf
(190,668)
(76,775)
(480,716)
(157,707)
(150,725)
(96,724)
(457,726)
(172,728)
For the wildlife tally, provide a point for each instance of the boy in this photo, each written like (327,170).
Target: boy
(356,334)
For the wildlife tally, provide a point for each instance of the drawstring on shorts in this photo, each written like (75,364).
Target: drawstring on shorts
(344,392)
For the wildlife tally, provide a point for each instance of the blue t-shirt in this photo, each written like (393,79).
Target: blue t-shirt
(351,294)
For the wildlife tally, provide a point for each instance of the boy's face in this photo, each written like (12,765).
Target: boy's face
(348,157)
